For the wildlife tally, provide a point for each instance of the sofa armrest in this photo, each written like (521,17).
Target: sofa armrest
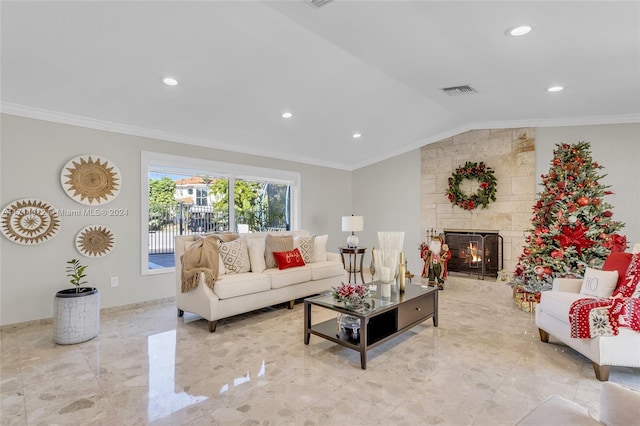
(619,405)
(570,285)
(333,257)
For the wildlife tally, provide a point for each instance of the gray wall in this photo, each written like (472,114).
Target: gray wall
(32,154)
(387,194)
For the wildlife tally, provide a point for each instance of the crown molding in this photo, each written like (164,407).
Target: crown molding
(92,123)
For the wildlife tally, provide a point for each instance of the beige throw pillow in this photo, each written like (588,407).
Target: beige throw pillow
(306,245)
(599,283)
(235,256)
(256,254)
(273,243)
(320,248)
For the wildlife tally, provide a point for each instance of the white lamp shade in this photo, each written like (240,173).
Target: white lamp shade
(352,223)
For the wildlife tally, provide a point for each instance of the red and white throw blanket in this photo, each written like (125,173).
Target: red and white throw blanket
(602,317)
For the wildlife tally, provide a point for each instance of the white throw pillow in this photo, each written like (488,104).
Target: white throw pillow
(320,248)
(599,283)
(256,254)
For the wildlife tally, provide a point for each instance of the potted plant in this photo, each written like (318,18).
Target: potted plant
(76,311)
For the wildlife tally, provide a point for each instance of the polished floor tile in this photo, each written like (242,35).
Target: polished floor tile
(483,365)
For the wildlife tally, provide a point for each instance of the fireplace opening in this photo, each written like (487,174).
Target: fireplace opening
(475,252)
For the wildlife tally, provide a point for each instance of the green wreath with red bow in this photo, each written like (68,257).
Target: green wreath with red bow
(485,193)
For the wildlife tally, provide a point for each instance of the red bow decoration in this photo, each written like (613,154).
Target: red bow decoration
(574,237)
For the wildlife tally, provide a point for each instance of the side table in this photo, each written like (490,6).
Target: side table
(353,267)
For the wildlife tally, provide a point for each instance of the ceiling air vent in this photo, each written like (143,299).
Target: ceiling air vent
(318,3)
(459,90)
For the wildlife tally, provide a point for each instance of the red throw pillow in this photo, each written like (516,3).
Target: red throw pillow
(288,259)
(617,261)
(631,279)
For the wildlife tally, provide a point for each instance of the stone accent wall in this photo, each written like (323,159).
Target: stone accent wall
(511,154)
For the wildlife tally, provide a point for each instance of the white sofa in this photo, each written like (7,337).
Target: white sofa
(552,318)
(235,294)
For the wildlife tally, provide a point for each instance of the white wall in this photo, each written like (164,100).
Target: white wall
(32,154)
(387,194)
(617,149)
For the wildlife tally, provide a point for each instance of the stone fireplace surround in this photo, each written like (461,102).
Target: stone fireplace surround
(511,153)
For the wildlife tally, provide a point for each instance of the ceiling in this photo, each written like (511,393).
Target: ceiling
(372,67)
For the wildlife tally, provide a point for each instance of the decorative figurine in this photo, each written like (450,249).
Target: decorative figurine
(435,257)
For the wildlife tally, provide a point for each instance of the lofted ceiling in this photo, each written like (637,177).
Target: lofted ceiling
(371,67)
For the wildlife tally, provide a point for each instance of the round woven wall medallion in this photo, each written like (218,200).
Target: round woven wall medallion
(29,221)
(95,241)
(91,180)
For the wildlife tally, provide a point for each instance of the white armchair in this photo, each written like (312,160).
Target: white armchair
(619,406)
(552,318)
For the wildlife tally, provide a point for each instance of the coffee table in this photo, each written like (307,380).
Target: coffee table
(382,321)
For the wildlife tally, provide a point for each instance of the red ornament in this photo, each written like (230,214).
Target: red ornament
(595,201)
(557,254)
(539,241)
(583,201)
(561,185)
(556,162)
(607,213)
(596,219)
(547,270)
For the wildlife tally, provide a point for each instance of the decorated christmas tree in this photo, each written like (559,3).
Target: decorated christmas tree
(572,225)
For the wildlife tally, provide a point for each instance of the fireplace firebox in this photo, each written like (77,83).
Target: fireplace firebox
(475,252)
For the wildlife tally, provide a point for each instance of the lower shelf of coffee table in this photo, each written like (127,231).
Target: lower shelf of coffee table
(379,328)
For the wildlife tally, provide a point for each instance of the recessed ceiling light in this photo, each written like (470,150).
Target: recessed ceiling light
(287,115)
(518,31)
(555,89)
(356,135)
(170,81)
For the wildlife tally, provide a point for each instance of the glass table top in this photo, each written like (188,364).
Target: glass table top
(375,302)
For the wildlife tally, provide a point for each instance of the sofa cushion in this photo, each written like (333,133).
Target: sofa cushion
(557,303)
(235,256)
(306,246)
(287,277)
(326,269)
(320,248)
(234,285)
(273,243)
(288,259)
(256,254)
(617,261)
(599,283)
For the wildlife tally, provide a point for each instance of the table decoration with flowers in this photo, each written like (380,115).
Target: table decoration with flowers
(352,295)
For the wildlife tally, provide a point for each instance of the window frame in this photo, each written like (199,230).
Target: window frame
(176,164)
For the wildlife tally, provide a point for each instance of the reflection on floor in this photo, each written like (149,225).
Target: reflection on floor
(483,365)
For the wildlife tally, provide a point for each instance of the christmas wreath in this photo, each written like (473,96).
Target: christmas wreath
(485,194)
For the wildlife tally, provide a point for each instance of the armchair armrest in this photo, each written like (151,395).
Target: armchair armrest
(333,257)
(570,285)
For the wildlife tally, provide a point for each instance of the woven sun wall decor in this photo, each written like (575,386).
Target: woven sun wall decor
(95,241)
(29,221)
(91,180)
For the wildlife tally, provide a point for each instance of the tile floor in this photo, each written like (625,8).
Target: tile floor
(483,365)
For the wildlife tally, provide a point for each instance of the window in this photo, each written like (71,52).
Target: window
(263,200)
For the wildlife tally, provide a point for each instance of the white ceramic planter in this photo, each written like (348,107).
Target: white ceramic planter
(76,316)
